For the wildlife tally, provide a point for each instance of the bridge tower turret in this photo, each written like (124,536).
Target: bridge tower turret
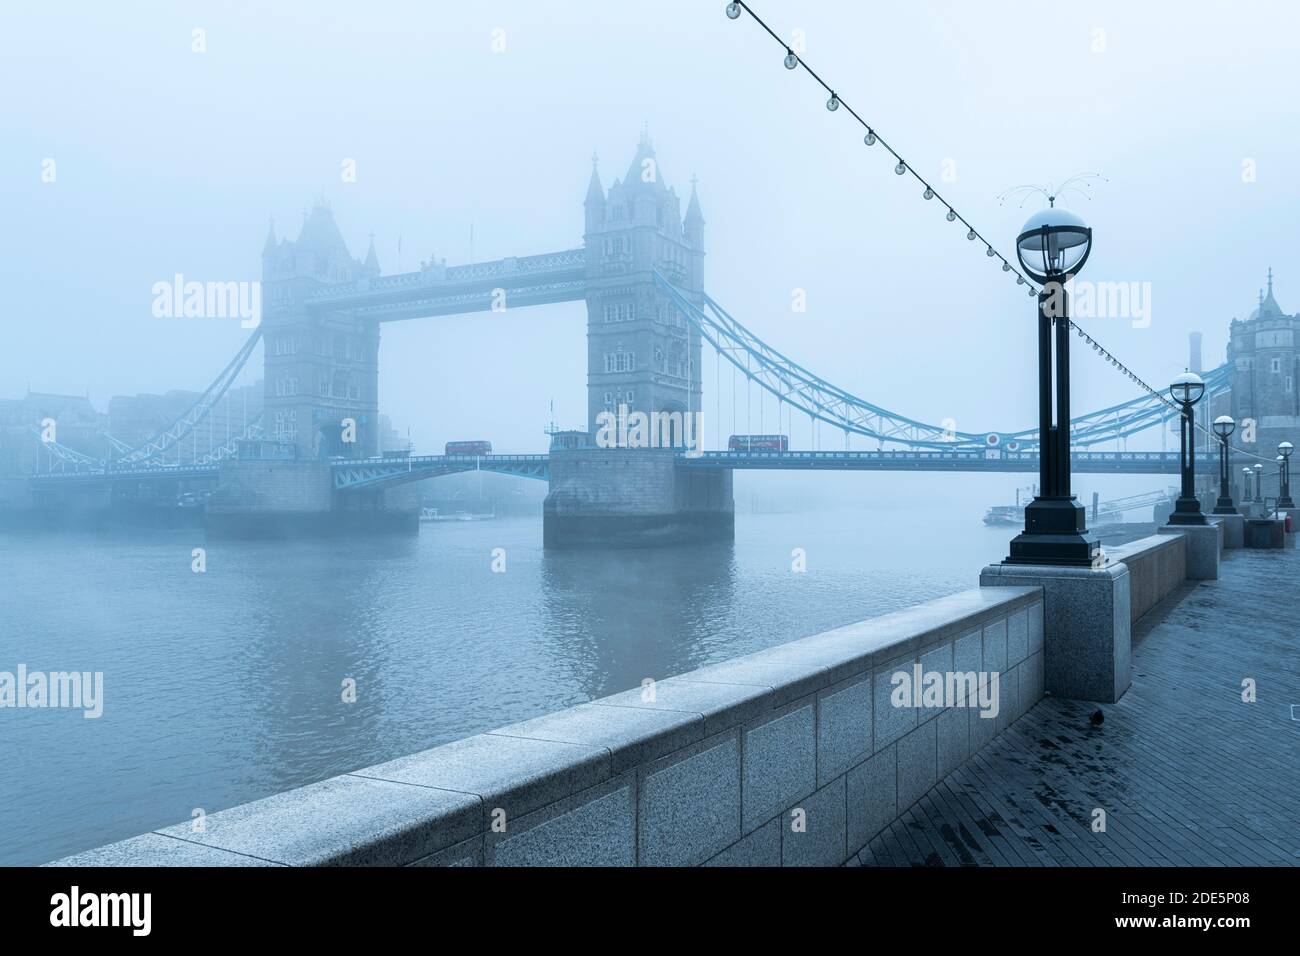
(642,354)
(321,365)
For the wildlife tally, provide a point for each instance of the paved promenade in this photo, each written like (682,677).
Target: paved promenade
(1187,773)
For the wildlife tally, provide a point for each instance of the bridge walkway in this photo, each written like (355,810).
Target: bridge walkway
(1187,773)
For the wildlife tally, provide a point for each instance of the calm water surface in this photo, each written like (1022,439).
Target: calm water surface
(226,686)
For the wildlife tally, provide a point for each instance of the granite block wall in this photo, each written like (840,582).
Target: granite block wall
(795,756)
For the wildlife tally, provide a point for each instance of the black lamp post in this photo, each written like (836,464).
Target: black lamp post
(1259,483)
(1284,495)
(1224,426)
(1187,390)
(1245,485)
(1052,247)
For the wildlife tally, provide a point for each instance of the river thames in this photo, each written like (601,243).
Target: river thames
(228,685)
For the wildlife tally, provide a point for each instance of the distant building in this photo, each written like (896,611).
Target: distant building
(1262,350)
(76,425)
(390,440)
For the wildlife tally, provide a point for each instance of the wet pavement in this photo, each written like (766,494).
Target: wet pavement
(1185,771)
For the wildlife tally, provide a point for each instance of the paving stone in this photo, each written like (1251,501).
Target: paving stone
(1189,774)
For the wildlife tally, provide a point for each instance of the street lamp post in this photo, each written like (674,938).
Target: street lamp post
(1285,450)
(1052,247)
(1245,484)
(1187,390)
(1224,426)
(1259,483)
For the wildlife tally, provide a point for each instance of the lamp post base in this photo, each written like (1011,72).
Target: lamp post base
(1056,533)
(1285,503)
(1187,511)
(1224,506)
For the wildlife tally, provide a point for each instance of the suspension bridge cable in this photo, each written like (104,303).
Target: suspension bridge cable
(794,61)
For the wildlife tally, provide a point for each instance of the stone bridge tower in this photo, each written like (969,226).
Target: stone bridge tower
(641,352)
(321,365)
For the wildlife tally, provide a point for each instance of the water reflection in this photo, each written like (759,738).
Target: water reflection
(616,620)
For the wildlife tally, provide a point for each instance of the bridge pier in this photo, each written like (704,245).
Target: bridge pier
(621,497)
(261,498)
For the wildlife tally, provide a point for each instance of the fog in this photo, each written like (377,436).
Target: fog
(173,161)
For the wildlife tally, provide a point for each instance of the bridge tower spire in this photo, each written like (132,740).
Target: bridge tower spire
(321,366)
(642,354)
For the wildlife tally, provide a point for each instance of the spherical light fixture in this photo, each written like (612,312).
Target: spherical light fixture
(1053,244)
(1187,388)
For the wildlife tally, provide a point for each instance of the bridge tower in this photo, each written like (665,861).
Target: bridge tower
(641,352)
(644,355)
(1264,350)
(321,365)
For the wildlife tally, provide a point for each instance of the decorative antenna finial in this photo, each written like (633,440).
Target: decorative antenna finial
(1079,183)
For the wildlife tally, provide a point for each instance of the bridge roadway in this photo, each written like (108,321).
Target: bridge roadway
(357,474)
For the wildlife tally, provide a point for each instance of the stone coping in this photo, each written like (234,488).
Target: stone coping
(430,805)
(1142,547)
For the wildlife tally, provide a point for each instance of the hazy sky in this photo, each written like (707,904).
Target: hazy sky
(172,161)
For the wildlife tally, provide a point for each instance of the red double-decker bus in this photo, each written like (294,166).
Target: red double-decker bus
(758,443)
(468,448)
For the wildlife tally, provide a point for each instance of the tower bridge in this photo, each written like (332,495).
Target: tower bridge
(313,453)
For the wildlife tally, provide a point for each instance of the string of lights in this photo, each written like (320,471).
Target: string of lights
(1155,393)
(872,137)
